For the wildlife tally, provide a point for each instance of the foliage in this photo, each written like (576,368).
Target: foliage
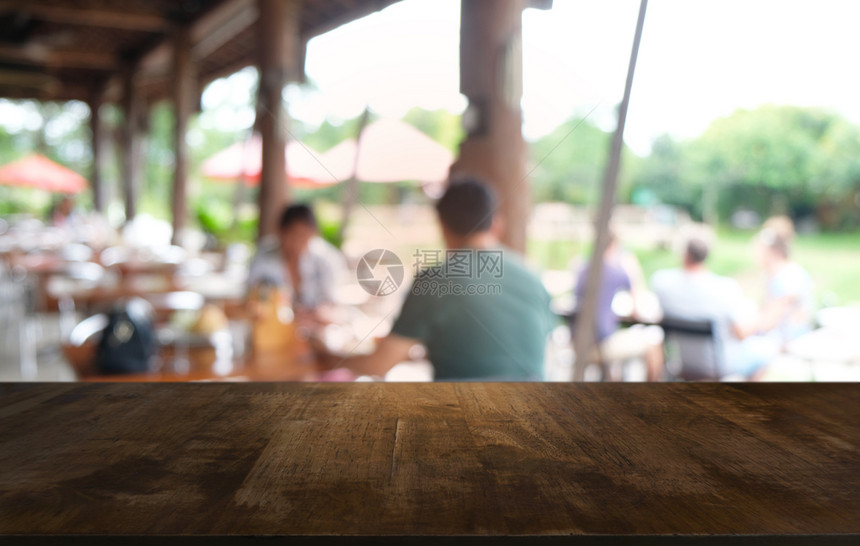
(330,231)
(226,224)
(58,131)
(660,177)
(568,164)
(8,148)
(440,125)
(157,193)
(215,216)
(24,200)
(245,228)
(327,135)
(773,159)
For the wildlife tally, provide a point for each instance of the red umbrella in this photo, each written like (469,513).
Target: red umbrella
(37,171)
(390,150)
(243,160)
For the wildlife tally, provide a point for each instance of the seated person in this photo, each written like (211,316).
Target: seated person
(789,301)
(299,261)
(781,225)
(695,293)
(488,321)
(621,272)
(62,214)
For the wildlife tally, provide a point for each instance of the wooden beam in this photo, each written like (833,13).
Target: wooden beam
(357,11)
(76,14)
(207,34)
(212,42)
(113,89)
(220,25)
(278,42)
(184,89)
(27,83)
(201,33)
(131,148)
(97,141)
(58,58)
(224,71)
(156,60)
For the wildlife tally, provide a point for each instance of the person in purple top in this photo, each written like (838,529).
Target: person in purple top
(614,280)
(622,273)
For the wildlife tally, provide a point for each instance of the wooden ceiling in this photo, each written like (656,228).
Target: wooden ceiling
(79,49)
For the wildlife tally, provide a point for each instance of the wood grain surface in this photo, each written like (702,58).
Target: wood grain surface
(451,459)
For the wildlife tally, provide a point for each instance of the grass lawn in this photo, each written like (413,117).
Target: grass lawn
(832,259)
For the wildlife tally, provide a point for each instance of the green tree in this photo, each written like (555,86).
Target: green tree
(568,164)
(440,125)
(660,176)
(327,135)
(773,159)
(776,159)
(60,132)
(157,191)
(8,148)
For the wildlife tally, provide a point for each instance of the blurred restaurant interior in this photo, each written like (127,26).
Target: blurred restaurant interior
(61,281)
(65,278)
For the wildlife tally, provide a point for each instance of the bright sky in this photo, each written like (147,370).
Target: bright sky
(698,61)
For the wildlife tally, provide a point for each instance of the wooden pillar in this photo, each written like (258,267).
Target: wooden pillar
(97,144)
(278,39)
(132,160)
(183,90)
(491,78)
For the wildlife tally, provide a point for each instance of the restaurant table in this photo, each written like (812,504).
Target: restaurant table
(39,264)
(456,463)
(40,268)
(828,344)
(101,298)
(293,366)
(141,267)
(297,362)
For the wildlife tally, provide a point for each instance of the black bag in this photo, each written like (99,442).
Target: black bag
(128,342)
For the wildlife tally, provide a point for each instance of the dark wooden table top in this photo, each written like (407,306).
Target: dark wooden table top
(553,461)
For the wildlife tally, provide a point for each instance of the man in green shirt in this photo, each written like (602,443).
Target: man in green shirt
(480,313)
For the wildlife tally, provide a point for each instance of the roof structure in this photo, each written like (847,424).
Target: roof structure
(136,52)
(73,49)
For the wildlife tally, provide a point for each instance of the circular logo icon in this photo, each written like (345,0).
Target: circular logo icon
(380,272)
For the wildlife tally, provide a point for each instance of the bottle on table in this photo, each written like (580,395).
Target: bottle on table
(273,327)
